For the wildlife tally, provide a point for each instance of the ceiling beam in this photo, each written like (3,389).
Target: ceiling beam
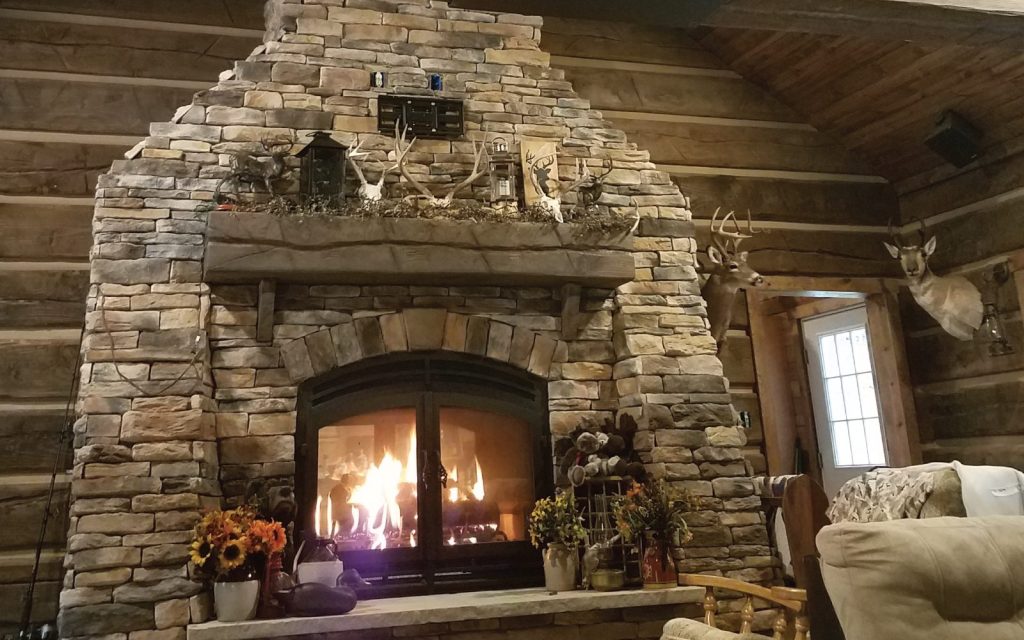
(974,22)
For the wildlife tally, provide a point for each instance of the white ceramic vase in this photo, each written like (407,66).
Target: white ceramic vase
(236,601)
(561,564)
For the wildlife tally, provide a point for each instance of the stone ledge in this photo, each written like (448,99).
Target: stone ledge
(245,247)
(482,605)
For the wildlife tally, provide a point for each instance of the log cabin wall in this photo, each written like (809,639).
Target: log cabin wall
(970,405)
(81,81)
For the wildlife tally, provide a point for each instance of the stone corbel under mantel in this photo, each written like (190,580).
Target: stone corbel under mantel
(250,247)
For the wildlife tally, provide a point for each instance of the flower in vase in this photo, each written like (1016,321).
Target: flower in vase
(233,555)
(200,551)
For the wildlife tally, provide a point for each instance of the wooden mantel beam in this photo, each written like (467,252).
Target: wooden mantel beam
(971,22)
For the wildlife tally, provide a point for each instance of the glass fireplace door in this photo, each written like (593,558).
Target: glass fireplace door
(424,474)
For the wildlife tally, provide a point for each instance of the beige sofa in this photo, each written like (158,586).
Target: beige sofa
(934,579)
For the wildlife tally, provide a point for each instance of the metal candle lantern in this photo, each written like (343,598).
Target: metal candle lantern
(503,173)
(323,169)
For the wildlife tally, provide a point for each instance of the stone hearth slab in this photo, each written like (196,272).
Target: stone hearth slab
(246,247)
(481,605)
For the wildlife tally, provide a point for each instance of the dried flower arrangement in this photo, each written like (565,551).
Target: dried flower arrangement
(654,508)
(229,545)
(556,521)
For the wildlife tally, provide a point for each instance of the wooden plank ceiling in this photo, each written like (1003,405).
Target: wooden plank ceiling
(882,97)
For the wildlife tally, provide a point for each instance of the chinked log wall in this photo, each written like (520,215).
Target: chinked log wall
(970,406)
(66,62)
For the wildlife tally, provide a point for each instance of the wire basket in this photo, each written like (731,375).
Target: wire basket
(594,502)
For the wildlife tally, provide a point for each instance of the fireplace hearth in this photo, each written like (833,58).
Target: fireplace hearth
(422,468)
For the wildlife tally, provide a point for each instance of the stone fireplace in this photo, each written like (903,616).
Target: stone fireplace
(359,358)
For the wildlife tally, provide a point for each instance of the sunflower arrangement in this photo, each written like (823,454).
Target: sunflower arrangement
(227,544)
(654,508)
(556,521)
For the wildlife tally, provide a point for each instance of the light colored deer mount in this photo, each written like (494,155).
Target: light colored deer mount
(952,301)
(426,199)
(728,273)
(370,192)
(551,191)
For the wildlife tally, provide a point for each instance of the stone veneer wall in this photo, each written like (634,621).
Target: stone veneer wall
(205,406)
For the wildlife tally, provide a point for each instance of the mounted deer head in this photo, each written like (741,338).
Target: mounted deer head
(402,149)
(551,191)
(592,190)
(367,191)
(729,272)
(952,301)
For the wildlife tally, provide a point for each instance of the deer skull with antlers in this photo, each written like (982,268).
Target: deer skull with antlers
(426,198)
(550,190)
(367,191)
(729,272)
(953,301)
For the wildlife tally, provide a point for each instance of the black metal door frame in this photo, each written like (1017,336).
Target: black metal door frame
(426,381)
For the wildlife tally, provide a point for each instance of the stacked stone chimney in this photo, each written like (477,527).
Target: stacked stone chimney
(181,405)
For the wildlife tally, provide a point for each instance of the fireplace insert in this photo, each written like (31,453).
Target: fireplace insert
(423,469)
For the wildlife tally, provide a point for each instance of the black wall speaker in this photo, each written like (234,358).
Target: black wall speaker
(955,139)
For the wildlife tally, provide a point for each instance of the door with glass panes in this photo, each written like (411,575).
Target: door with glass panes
(844,392)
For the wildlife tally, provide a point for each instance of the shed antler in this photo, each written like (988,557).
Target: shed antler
(402,150)
(367,191)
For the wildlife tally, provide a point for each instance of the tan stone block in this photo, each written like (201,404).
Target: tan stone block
(162,451)
(171,502)
(354,16)
(234,378)
(387,34)
(296,359)
(357,124)
(172,613)
(425,328)
(586,371)
(392,328)
(520,57)
(542,355)
(263,100)
(251,450)
(115,523)
(114,486)
(107,578)
(338,79)
(139,426)
(123,469)
(521,348)
(269,424)
(455,332)
(499,341)
(346,343)
(313,26)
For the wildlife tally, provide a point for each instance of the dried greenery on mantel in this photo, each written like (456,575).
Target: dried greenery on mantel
(590,219)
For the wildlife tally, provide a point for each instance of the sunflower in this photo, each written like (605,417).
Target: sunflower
(233,555)
(200,551)
(267,537)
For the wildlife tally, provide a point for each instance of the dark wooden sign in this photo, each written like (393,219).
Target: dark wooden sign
(424,116)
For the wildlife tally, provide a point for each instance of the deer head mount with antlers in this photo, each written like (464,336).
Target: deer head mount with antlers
(254,168)
(551,191)
(426,198)
(728,272)
(367,191)
(952,301)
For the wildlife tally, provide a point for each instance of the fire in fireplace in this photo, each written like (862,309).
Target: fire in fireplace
(423,468)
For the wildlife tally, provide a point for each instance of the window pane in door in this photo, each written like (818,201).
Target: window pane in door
(858,443)
(852,397)
(868,397)
(844,349)
(829,360)
(841,444)
(490,487)
(876,448)
(366,481)
(834,395)
(861,354)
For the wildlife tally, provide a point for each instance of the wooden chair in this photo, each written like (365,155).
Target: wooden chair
(791,621)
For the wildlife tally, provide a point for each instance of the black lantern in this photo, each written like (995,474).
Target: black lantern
(323,169)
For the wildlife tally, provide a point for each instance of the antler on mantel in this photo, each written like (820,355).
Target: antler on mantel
(367,191)
(402,149)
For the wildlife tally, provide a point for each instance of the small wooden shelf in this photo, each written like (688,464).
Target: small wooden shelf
(249,247)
